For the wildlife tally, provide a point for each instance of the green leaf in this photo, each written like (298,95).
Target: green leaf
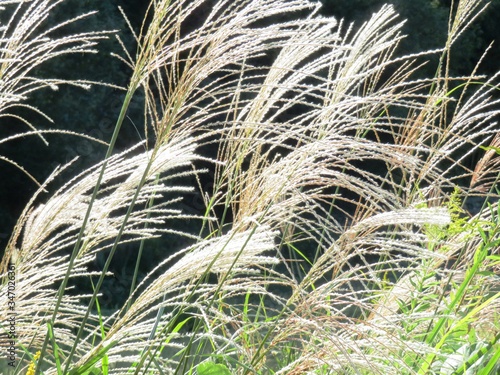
(89,367)
(105,359)
(55,348)
(210,368)
(488,148)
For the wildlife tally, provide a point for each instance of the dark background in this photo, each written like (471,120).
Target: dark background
(94,112)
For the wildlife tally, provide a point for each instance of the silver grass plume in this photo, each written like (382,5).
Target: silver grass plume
(45,231)
(26,44)
(286,179)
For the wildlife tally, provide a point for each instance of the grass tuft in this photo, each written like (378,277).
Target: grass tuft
(335,237)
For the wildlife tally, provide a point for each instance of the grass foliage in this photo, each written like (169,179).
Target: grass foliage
(334,238)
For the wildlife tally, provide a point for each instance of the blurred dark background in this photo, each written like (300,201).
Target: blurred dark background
(94,112)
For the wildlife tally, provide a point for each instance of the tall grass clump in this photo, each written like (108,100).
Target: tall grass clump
(334,237)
